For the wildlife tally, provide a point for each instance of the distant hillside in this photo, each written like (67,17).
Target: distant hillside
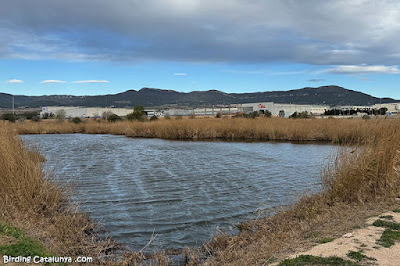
(327,95)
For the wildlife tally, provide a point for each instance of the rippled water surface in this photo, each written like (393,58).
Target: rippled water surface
(179,191)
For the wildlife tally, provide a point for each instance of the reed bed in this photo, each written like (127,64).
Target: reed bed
(260,129)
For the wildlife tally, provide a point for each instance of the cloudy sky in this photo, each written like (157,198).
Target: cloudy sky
(86,47)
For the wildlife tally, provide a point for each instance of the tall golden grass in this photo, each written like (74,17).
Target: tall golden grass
(333,130)
(34,204)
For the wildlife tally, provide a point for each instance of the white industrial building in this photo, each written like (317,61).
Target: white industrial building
(71,111)
(276,109)
(201,111)
(284,110)
(393,108)
(93,112)
(354,107)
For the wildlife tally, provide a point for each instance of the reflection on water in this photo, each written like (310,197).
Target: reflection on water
(180,191)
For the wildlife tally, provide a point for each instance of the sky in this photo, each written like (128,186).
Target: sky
(91,47)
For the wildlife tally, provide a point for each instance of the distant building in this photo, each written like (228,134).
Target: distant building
(354,107)
(284,110)
(88,112)
(393,108)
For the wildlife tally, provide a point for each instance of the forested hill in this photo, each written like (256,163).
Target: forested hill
(327,95)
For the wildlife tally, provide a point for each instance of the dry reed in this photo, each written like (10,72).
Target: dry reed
(333,130)
(30,202)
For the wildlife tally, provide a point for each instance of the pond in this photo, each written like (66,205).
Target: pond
(178,191)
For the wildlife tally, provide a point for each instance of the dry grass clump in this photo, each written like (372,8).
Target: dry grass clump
(365,174)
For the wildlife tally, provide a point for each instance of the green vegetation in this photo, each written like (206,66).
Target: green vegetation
(9,117)
(138,114)
(267,113)
(24,245)
(303,114)
(76,120)
(358,255)
(153,118)
(397,211)
(326,240)
(47,116)
(314,260)
(390,235)
(386,224)
(381,111)
(388,217)
(249,115)
(21,116)
(30,115)
(388,238)
(113,118)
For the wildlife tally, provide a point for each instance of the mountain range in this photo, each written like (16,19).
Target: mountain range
(325,95)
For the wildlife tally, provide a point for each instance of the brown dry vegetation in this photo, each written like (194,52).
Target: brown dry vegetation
(358,183)
(31,203)
(333,130)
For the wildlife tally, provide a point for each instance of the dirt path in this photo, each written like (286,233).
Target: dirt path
(364,242)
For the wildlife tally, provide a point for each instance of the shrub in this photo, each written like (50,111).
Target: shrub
(303,114)
(60,115)
(30,115)
(35,118)
(113,118)
(253,114)
(219,115)
(77,120)
(10,117)
(192,116)
(106,114)
(267,113)
(153,118)
(240,114)
(138,114)
(178,117)
(250,115)
(47,116)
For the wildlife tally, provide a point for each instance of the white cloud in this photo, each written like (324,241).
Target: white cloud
(15,81)
(180,74)
(91,81)
(52,81)
(363,69)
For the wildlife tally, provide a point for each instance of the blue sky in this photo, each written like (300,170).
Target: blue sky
(101,47)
